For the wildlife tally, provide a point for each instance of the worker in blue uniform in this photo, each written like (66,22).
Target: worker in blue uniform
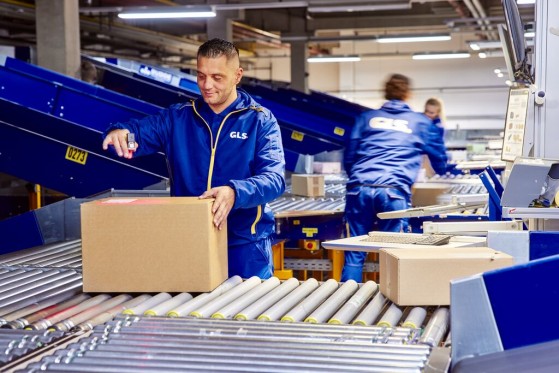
(382,159)
(223,145)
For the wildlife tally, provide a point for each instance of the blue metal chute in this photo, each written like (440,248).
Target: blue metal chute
(37,123)
(51,132)
(64,167)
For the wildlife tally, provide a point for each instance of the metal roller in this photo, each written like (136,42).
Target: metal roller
(183,326)
(25,287)
(256,308)
(22,295)
(162,308)
(309,304)
(436,328)
(249,297)
(204,298)
(30,314)
(333,303)
(148,304)
(110,314)
(69,323)
(371,311)
(209,308)
(73,288)
(68,312)
(279,309)
(391,317)
(415,318)
(29,256)
(293,346)
(50,260)
(354,304)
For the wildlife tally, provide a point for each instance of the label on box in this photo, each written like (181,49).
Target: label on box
(114,201)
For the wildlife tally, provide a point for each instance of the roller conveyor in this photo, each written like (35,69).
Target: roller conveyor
(216,340)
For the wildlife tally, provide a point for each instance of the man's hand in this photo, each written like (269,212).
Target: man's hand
(117,138)
(224,201)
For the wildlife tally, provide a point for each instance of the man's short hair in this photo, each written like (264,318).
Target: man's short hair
(215,48)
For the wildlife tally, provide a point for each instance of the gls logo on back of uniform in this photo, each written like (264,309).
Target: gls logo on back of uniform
(390,124)
(238,135)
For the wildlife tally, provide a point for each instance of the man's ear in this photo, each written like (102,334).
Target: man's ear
(239,75)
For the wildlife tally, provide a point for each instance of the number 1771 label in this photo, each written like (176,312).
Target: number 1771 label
(76,155)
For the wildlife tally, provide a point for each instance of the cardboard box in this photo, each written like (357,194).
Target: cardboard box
(327,167)
(427,194)
(151,244)
(421,277)
(307,185)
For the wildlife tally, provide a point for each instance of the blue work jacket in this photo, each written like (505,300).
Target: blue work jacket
(386,147)
(240,147)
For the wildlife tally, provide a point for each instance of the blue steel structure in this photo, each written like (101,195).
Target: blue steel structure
(53,136)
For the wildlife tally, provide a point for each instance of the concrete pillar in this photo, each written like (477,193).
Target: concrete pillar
(299,66)
(58,36)
(221,26)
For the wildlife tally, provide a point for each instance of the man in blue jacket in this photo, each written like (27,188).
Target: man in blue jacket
(382,159)
(223,145)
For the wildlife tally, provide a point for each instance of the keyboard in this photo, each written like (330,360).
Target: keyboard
(427,239)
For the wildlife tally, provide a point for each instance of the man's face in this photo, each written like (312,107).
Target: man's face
(431,111)
(217,79)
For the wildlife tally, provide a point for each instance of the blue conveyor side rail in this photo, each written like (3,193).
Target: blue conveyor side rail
(127,82)
(67,97)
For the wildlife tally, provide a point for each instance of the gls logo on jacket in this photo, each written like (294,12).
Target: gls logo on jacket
(238,135)
(390,124)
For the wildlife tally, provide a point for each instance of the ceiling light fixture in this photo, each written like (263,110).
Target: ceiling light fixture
(440,56)
(167,12)
(524,2)
(412,38)
(334,59)
(360,8)
(484,44)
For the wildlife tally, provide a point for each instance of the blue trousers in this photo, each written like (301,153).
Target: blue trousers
(362,205)
(253,259)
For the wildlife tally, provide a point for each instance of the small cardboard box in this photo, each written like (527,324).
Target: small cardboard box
(421,277)
(307,185)
(327,167)
(151,244)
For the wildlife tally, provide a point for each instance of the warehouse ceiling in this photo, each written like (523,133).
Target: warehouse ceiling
(266,27)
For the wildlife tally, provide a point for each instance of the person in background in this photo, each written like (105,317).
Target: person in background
(434,111)
(223,145)
(382,159)
(88,72)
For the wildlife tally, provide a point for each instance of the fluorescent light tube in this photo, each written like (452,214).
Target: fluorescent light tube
(440,56)
(334,59)
(411,38)
(167,12)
